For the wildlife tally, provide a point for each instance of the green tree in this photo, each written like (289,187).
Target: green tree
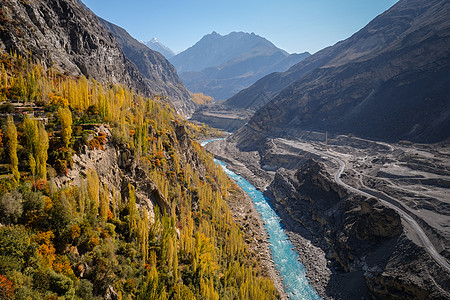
(42,154)
(37,145)
(30,131)
(11,140)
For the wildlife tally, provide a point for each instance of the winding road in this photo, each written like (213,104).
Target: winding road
(385,199)
(394,204)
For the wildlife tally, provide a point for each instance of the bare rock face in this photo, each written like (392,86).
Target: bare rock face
(364,241)
(160,76)
(377,221)
(66,35)
(389,81)
(185,149)
(117,169)
(62,33)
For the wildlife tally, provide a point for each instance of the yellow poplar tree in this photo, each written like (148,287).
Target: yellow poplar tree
(65,117)
(11,137)
(93,188)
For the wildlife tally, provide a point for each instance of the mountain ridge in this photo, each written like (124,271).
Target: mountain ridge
(395,66)
(51,32)
(221,66)
(161,76)
(69,37)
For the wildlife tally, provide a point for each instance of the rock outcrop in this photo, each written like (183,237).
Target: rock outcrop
(117,167)
(389,81)
(365,242)
(66,35)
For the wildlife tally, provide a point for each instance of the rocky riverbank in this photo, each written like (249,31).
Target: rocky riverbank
(312,257)
(352,247)
(245,214)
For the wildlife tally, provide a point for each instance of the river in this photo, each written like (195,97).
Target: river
(292,271)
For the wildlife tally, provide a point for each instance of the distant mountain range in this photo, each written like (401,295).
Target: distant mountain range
(221,66)
(389,81)
(156,45)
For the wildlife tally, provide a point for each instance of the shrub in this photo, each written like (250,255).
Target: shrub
(10,207)
(14,248)
(59,283)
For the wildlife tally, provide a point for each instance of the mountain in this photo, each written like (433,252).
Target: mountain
(156,45)
(221,66)
(389,81)
(68,36)
(161,76)
(65,35)
(104,216)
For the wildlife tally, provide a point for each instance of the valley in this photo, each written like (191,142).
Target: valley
(319,176)
(409,181)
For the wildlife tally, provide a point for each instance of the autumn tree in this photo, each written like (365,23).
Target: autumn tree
(31,134)
(42,155)
(65,117)
(37,144)
(93,189)
(11,139)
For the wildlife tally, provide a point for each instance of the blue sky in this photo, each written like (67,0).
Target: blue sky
(293,25)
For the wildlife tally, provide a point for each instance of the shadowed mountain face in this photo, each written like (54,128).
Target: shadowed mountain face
(221,66)
(161,76)
(67,35)
(389,81)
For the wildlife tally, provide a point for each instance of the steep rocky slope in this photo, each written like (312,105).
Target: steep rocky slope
(67,35)
(221,66)
(388,81)
(64,34)
(353,246)
(161,76)
(368,247)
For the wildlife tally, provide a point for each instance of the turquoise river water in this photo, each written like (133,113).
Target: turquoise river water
(292,271)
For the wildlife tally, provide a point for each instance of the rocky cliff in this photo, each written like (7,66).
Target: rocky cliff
(388,81)
(352,246)
(117,167)
(364,241)
(64,34)
(68,36)
(161,77)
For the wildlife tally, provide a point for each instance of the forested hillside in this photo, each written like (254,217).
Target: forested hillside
(92,236)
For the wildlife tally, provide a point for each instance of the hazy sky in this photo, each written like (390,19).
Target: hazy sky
(293,25)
